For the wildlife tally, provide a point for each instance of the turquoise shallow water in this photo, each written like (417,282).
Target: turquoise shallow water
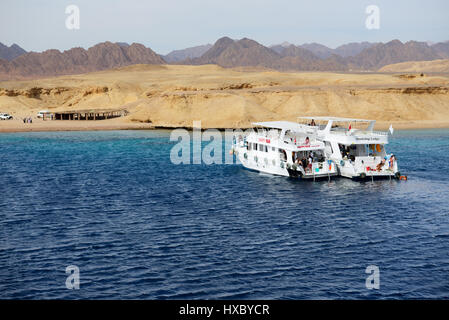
(138,226)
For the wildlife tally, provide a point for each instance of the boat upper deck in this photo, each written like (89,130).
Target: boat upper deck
(344,130)
(284,134)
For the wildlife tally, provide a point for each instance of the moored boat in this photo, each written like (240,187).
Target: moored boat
(354,146)
(283,148)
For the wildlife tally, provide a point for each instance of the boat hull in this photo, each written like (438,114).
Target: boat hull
(280,168)
(349,171)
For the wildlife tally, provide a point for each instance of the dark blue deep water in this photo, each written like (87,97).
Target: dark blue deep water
(140,227)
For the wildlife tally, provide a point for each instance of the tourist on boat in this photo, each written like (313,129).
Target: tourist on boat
(304,163)
(310,162)
(299,161)
(284,155)
(312,123)
(391,162)
(380,165)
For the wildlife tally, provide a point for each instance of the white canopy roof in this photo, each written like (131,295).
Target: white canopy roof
(336,119)
(287,125)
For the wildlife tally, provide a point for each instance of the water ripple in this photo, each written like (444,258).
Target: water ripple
(139,227)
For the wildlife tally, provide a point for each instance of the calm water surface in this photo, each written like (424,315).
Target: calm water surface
(140,227)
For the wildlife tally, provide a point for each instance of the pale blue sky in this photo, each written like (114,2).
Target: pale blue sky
(166,25)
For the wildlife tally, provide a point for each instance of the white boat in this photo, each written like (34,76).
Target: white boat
(354,146)
(282,148)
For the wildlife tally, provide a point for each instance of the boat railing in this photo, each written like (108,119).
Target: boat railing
(307,129)
(299,143)
(319,167)
(355,132)
(380,133)
(371,162)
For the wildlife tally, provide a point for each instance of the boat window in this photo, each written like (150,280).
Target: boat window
(249,146)
(344,150)
(376,150)
(282,154)
(273,149)
(266,148)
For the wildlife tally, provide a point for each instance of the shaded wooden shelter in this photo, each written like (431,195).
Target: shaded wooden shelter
(91,114)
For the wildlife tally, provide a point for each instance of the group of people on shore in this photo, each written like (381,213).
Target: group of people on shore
(28,120)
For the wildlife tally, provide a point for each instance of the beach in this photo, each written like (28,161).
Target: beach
(39,125)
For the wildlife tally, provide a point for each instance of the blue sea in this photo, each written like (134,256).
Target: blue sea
(139,227)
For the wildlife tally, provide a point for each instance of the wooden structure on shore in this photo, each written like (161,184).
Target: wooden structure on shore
(94,114)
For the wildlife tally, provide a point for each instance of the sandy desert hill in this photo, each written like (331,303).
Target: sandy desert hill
(440,65)
(176,95)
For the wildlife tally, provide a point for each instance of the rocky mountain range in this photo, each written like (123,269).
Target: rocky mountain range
(105,55)
(11,52)
(323,52)
(15,63)
(188,53)
(395,51)
(362,56)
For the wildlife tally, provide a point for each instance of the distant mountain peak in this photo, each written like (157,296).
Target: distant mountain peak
(395,42)
(286,44)
(10,53)
(187,53)
(123,44)
(224,41)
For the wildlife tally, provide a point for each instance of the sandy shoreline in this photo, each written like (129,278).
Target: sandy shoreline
(39,125)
